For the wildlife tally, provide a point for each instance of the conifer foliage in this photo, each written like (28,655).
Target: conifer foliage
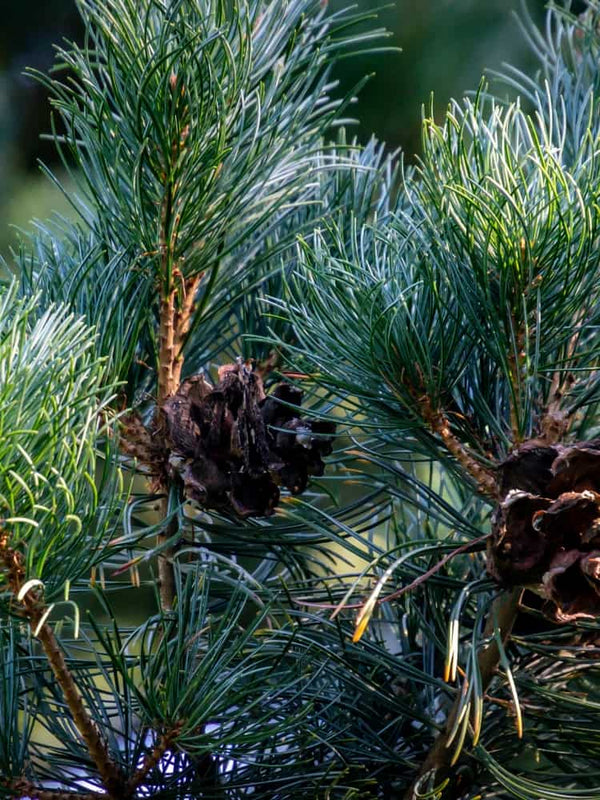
(329,426)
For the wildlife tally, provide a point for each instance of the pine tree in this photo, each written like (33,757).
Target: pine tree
(331,420)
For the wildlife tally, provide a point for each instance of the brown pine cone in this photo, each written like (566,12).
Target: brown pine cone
(546,530)
(233,446)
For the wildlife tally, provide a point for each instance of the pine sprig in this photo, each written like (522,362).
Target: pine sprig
(196,132)
(53,421)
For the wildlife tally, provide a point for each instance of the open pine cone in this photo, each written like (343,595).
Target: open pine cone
(546,530)
(233,445)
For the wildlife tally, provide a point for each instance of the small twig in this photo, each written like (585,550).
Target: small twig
(174,323)
(182,321)
(176,312)
(153,758)
(167,386)
(166,355)
(436,419)
(464,548)
(175,320)
(555,421)
(516,362)
(502,613)
(439,423)
(166,574)
(34,610)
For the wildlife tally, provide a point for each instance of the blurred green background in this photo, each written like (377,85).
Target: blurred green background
(446,44)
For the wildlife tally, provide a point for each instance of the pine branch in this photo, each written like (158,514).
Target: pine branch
(176,311)
(35,611)
(167,386)
(166,573)
(152,759)
(175,319)
(167,351)
(439,423)
(517,372)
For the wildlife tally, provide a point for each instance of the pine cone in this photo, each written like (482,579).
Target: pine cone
(233,446)
(546,530)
